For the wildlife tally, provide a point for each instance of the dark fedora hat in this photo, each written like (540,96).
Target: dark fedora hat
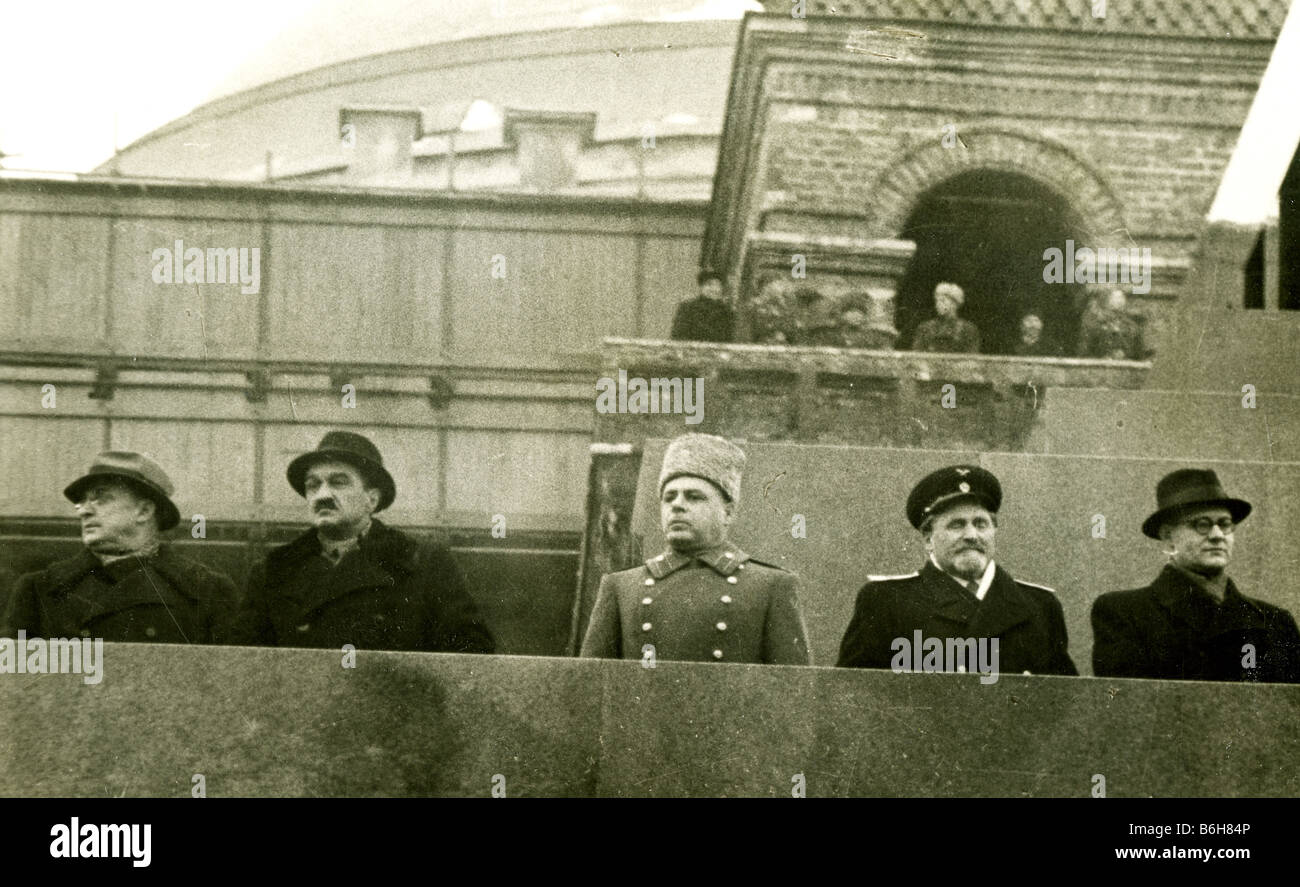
(141,474)
(1191,488)
(940,489)
(355,450)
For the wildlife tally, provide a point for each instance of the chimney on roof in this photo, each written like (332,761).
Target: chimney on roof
(378,141)
(548,145)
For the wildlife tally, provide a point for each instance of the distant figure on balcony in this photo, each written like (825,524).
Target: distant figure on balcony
(351,579)
(947,332)
(127,583)
(1192,623)
(1108,330)
(1031,342)
(703,599)
(960,595)
(707,317)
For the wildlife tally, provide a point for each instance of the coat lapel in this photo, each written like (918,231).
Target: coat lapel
(1239,614)
(123,585)
(352,574)
(950,601)
(1004,607)
(382,558)
(1173,592)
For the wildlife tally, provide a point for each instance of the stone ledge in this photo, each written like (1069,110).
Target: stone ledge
(983,369)
(272,723)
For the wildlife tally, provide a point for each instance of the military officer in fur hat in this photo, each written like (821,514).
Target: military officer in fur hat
(703,599)
(127,583)
(351,579)
(960,592)
(1192,622)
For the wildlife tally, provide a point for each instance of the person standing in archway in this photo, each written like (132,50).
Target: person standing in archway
(947,332)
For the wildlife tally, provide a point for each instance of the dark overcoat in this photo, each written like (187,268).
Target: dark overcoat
(1026,619)
(718,606)
(166,598)
(704,320)
(391,593)
(1172,629)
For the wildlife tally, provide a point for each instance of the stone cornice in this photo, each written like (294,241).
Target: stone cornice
(1232,19)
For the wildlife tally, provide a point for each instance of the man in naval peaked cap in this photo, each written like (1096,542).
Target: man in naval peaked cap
(960,592)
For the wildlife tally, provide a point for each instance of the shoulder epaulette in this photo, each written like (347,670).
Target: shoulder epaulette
(754,560)
(1036,585)
(888,578)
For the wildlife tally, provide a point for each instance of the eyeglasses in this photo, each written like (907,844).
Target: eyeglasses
(1203,525)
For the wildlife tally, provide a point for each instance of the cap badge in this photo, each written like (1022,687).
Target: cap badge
(962,471)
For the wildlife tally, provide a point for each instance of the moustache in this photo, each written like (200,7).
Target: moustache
(324,504)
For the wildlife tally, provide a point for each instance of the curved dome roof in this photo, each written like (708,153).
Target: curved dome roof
(335,31)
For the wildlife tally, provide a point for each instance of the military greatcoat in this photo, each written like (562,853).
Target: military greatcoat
(720,605)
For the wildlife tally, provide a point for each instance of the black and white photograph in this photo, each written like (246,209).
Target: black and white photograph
(651,399)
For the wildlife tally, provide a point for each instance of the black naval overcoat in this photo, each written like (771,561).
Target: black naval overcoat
(391,593)
(164,598)
(1026,619)
(1173,630)
(718,606)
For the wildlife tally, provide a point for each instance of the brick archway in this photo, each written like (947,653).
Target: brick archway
(900,187)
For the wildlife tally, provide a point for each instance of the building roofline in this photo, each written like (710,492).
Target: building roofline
(140,186)
(452,54)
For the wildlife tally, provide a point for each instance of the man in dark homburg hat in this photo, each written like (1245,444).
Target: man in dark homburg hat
(127,583)
(351,579)
(703,599)
(961,592)
(1192,622)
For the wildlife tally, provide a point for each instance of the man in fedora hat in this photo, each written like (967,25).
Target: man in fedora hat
(351,579)
(1191,622)
(126,583)
(703,599)
(961,593)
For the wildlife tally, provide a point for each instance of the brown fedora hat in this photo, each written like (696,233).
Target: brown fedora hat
(355,450)
(1191,488)
(140,472)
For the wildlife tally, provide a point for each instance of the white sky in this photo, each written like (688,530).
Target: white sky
(72,70)
(67,66)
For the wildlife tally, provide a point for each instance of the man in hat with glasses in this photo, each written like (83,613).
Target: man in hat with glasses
(961,592)
(127,583)
(351,579)
(1191,622)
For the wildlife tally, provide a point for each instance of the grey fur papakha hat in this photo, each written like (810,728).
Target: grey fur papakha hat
(707,456)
